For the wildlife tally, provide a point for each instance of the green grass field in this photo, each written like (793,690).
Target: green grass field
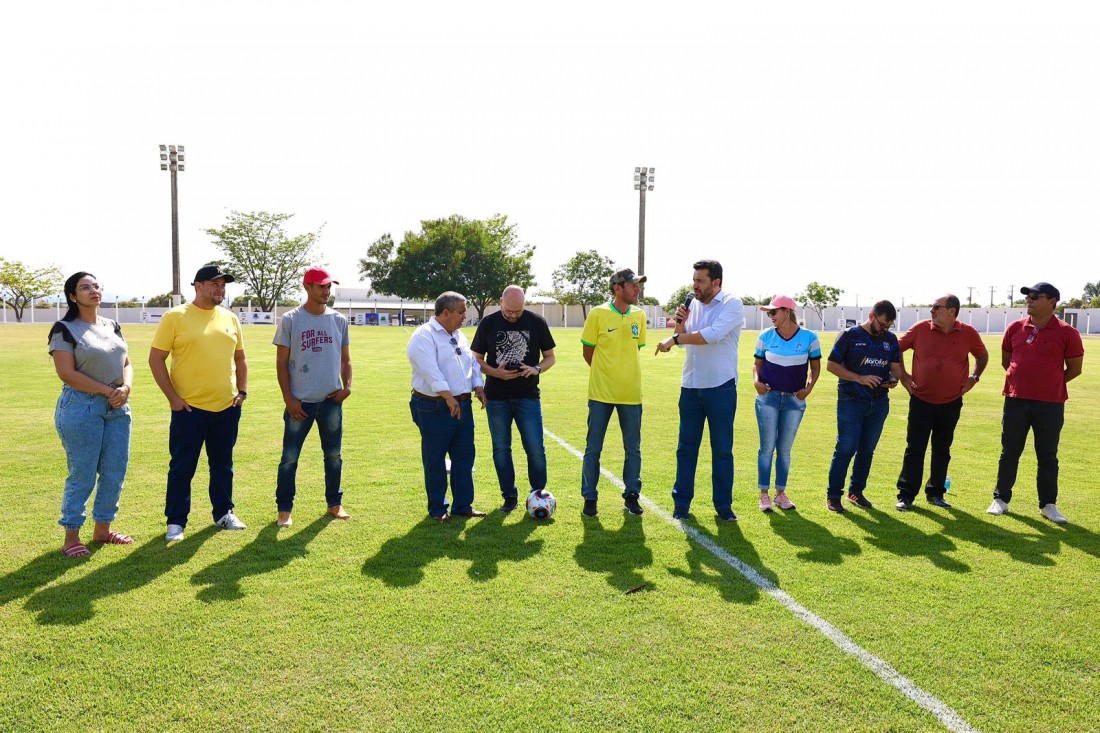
(392,623)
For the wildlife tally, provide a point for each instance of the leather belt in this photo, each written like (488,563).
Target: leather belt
(460,397)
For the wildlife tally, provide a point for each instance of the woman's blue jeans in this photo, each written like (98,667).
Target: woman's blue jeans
(859,422)
(96,439)
(778,415)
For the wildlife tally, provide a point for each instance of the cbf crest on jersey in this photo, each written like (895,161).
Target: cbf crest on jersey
(634,329)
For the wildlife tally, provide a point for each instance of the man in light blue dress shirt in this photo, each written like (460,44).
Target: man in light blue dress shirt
(709,330)
(444,376)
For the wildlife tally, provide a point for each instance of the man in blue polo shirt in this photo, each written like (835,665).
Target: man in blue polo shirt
(867,360)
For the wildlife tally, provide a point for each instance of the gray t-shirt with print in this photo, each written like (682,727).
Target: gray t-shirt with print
(315,344)
(100,352)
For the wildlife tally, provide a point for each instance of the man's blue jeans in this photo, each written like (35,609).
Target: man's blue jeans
(716,407)
(859,422)
(442,435)
(630,423)
(778,415)
(96,439)
(187,434)
(329,416)
(527,414)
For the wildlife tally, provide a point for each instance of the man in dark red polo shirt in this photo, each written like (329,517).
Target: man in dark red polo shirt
(942,347)
(1040,355)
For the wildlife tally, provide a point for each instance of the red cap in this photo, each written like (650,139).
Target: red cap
(319,276)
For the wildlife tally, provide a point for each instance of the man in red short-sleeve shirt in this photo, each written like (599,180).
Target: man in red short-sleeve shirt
(1040,355)
(942,347)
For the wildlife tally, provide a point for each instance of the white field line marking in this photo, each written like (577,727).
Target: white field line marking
(948,717)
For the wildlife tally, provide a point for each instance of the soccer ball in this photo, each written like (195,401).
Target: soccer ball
(541,505)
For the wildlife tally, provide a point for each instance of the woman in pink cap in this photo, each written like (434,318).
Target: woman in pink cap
(785,356)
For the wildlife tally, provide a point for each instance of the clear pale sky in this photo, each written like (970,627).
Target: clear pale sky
(895,151)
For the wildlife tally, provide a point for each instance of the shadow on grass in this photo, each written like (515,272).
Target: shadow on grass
(896,537)
(1025,548)
(1073,535)
(73,602)
(484,542)
(619,554)
(262,555)
(42,570)
(706,568)
(820,544)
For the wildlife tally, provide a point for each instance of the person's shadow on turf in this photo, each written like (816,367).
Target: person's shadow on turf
(1026,548)
(901,539)
(490,541)
(42,570)
(74,602)
(264,554)
(618,554)
(486,542)
(821,546)
(707,567)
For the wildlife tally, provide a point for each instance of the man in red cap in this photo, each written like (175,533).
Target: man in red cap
(1040,354)
(313,364)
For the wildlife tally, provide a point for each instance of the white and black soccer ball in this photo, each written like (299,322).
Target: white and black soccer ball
(541,504)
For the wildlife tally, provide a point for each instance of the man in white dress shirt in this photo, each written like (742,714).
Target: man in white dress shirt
(444,376)
(709,331)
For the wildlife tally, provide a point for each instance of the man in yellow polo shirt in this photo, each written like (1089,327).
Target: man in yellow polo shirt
(208,383)
(613,334)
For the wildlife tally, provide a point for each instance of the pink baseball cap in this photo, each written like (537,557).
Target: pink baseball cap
(319,276)
(779,301)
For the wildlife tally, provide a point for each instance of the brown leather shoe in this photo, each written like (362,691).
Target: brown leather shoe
(471,513)
(442,517)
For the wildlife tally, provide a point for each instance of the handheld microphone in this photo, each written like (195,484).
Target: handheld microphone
(687,304)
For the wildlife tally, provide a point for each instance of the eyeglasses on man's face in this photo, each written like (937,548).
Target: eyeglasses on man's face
(1036,296)
(937,306)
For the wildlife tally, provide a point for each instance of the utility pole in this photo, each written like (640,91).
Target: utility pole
(970,295)
(991,287)
(643,181)
(172,159)
(1011,290)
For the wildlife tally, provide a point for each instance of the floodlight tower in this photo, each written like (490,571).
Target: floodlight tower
(643,181)
(172,159)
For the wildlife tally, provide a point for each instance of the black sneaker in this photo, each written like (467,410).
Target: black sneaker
(680,512)
(859,500)
(589,507)
(630,502)
(727,515)
(938,501)
(834,505)
(509,504)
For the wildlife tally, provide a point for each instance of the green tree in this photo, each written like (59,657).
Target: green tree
(677,299)
(584,280)
(164,300)
(817,297)
(1091,294)
(243,301)
(473,257)
(261,255)
(21,285)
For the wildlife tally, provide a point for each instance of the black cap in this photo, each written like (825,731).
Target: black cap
(626,276)
(211,272)
(1042,289)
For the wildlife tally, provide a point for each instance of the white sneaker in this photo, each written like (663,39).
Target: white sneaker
(997,507)
(1051,512)
(175,533)
(230,521)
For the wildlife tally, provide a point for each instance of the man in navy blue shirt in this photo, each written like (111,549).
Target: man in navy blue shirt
(867,360)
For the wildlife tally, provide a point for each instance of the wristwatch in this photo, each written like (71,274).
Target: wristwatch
(676,339)
(975,378)
(537,368)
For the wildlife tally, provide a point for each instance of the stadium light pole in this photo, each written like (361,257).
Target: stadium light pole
(172,160)
(643,181)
